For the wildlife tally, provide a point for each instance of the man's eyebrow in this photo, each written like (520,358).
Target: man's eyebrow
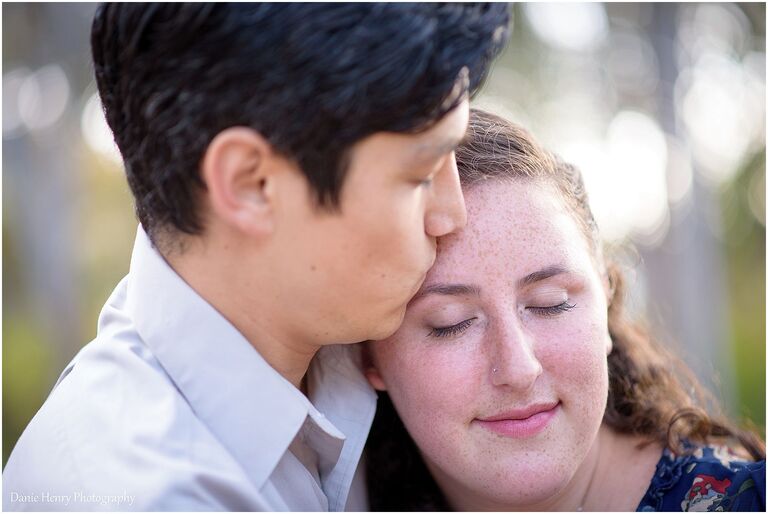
(443,147)
(447,289)
(542,274)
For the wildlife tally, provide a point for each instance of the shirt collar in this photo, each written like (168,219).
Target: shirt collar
(338,368)
(246,404)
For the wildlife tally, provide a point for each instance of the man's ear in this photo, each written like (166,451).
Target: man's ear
(370,370)
(238,170)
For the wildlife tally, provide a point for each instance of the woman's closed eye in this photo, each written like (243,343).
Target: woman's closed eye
(452,330)
(551,310)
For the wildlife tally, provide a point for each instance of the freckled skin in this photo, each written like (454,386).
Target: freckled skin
(441,385)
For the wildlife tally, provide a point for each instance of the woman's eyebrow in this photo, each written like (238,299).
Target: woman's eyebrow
(447,289)
(542,274)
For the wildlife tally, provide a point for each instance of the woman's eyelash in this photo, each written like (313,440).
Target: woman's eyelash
(553,310)
(460,327)
(453,330)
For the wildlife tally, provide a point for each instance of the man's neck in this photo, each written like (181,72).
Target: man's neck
(248,307)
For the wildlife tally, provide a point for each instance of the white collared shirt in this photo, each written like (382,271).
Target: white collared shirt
(170,408)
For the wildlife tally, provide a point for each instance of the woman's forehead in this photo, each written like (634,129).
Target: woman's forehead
(503,209)
(510,222)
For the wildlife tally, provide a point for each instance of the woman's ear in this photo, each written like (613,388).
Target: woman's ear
(611,282)
(370,370)
(608,287)
(238,170)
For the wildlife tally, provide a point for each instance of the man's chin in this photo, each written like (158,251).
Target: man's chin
(419,283)
(389,326)
(389,322)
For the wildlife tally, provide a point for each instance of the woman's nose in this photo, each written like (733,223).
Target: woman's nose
(513,362)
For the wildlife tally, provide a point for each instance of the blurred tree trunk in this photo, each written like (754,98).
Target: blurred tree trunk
(687,272)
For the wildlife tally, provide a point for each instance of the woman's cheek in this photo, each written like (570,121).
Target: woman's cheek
(433,385)
(435,397)
(578,359)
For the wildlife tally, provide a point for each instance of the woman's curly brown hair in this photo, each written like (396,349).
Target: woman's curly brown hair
(652,393)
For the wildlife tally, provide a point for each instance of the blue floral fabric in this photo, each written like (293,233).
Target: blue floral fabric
(711,479)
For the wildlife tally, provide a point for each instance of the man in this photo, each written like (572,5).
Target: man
(292,166)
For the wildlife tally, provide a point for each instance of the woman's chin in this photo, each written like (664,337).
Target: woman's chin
(524,491)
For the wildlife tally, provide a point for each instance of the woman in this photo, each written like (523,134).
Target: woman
(520,381)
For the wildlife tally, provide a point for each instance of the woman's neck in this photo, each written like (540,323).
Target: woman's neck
(622,474)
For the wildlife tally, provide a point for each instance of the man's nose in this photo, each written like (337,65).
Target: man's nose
(446,212)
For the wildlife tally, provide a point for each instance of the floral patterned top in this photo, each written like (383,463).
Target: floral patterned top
(710,479)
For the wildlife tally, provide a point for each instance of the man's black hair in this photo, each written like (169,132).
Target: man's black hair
(313,79)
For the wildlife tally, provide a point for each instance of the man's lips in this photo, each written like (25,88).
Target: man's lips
(520,423)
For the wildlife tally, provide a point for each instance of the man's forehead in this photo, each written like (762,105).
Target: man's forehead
(446,135)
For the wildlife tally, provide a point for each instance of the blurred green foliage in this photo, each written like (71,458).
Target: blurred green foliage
(27,372)
(745,257)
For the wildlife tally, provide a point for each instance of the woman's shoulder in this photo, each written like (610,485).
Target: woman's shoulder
(710,478)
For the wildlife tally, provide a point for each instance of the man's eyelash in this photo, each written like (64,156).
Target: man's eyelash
(452,330)
(553,310)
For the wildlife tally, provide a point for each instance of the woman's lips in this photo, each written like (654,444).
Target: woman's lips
(521,423)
